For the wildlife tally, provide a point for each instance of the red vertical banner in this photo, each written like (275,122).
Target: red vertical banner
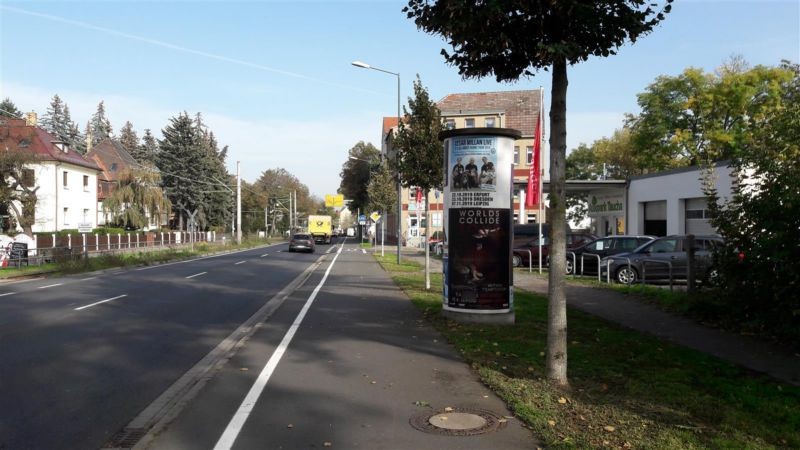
(419,199)
(532,194)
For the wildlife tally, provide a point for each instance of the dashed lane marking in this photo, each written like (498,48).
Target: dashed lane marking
(240,262)
(101,301)
(196,275)
(7,293)
(50,285)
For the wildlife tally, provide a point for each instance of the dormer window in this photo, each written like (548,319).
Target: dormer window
(61,146)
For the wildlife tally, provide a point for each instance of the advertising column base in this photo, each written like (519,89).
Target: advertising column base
(506,318)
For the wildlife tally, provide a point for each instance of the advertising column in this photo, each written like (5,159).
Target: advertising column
(478,183)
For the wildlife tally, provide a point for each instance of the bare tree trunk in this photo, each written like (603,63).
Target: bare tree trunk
(427,237)
(557,304)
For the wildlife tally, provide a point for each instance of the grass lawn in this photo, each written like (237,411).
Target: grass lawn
(627,389)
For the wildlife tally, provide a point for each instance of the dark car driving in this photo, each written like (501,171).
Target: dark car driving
(301,242)
(585,258)
(652,257)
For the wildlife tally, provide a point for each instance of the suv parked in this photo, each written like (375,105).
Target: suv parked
(524,241)
(605,246)
(670,249)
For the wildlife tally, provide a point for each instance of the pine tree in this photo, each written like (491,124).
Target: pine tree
(99,126)
(72,136)
(147,151)
(53,120)
(128,139)
(182,176)
(9,109)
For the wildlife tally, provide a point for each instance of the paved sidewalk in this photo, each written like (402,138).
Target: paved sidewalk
(778,362)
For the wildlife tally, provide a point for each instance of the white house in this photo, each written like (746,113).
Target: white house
(66,181)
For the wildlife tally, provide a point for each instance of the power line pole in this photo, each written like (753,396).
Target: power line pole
(238,205)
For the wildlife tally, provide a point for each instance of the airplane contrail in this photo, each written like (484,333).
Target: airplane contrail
(179,48)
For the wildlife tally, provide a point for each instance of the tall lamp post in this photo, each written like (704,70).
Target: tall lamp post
(364,65)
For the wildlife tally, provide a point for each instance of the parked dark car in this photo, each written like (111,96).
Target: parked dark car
(301,242)
(524,241)
(605,246)
(670,249)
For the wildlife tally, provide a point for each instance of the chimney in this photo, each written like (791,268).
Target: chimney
(31,119)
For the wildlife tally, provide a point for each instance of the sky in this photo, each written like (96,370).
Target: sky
(274,80)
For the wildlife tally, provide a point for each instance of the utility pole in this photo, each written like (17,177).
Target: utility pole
(266,219)
(238,205)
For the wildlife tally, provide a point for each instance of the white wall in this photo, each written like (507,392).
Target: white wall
(53,197)
(675,188)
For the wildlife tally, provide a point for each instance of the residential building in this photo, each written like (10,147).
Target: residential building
(65,182)
(113,160)
(508,109)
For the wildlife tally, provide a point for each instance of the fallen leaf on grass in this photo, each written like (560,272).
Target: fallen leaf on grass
(552,423)
(609,428)
(562,400)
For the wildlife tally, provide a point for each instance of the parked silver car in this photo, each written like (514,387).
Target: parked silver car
(652,258)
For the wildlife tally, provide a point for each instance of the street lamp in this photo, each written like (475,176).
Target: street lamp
(364,65)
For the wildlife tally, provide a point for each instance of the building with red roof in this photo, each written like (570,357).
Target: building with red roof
(66,182)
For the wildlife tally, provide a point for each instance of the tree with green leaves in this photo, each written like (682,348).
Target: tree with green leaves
(760,222)
(517,38)
(138,199)
(276,186)
(58,122)
(382,192)
(9,109)
(18,191)
(420,156)
(128,138)
(355,174)
(698,117)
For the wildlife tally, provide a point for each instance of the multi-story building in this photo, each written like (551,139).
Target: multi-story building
(519,110)
(65,182)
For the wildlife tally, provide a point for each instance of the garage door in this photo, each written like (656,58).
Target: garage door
(697,217)
(655,218)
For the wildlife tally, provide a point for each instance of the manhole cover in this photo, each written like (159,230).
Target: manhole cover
(457,422)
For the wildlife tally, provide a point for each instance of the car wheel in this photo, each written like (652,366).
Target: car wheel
(570,269)
(626,275)
(516,260)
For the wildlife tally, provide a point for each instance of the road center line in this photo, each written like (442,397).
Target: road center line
(101,301)
(265,254)
(240,416)
(7,293)
(240,262)
(50,285)
(87,279)
(196,275)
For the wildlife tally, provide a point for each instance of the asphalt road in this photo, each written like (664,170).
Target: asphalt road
(346,362)
(83,355)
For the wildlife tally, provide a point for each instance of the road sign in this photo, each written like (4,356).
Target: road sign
(85,228)
(375,216)
(334,201)
(362,219)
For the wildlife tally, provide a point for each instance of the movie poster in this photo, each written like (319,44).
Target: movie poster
(478,216)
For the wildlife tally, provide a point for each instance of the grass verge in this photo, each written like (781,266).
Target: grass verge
(628,390)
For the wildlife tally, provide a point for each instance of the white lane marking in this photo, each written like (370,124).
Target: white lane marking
(265,254)
(240,416)
(240,262)
(50,285)
(204,257)
(101,301)
(7,293)
(87,279)
(330,250)
(197,275)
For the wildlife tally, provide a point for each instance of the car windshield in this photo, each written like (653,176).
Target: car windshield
(301,236)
